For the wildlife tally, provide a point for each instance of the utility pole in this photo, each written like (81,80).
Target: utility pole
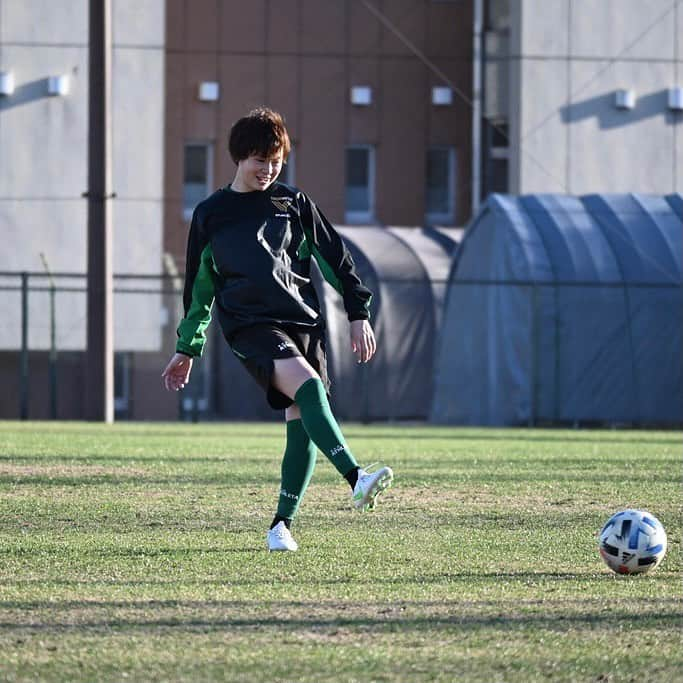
(99,394)
(476,104)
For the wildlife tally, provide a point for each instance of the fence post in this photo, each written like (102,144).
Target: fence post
(195,400)
(534,355)
(365,383)
(53,352)
(23,387)
(558,365)
(52,362)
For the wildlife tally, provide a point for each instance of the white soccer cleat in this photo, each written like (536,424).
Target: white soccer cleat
(369,486)
(280,538)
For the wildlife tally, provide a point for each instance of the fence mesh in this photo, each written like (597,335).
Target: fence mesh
(536,353)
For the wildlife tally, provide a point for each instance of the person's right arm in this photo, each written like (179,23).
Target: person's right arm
(198,296)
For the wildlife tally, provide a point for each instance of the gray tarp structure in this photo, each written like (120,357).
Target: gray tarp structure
(407,270)
(565,309)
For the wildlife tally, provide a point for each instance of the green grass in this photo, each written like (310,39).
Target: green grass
(136,552)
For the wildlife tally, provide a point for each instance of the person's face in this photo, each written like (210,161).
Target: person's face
(257,172)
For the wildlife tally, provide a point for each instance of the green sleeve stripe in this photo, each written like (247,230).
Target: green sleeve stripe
(192,328)
(327,271)
(304,251)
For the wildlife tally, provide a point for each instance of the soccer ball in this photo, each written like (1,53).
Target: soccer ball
(632,542)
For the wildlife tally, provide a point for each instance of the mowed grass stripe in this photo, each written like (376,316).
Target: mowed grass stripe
(137,552)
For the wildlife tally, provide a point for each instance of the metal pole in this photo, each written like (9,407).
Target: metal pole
(535,324)
(53,354)
(99,393)
(52,362)
(23,391)
(476,105)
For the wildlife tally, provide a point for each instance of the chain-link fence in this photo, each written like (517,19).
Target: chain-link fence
(484,353)
(563,353)
(43,341)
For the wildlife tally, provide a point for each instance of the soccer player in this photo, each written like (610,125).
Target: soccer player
(249,250)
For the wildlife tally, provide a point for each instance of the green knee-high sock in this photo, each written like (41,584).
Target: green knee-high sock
(321,425)
(297,468)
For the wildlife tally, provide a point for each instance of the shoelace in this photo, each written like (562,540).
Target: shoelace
(369,468)
(281,531)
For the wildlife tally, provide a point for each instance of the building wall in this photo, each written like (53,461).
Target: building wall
(568,58)
(43,173)
(301,58)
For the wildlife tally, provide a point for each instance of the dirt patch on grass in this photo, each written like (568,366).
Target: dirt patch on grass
(60,471)
(440,499)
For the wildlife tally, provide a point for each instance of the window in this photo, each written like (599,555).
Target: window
(497,15)
(360,180)
(196,175)
(440,191)
(287,173)
(496,157)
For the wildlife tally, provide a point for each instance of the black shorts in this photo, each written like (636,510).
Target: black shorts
(257,346)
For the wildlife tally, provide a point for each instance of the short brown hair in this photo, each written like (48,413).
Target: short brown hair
(262,131)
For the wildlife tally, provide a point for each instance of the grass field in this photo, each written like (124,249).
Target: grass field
(137,552)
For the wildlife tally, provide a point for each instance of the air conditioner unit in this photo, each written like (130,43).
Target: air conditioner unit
(361,95)
(624,99)
(58,86)
(209,91)
(442,96)
(676,99)
(6,83)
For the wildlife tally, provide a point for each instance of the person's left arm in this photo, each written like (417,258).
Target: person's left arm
(337,266)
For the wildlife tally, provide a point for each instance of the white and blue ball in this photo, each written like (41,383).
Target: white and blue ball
(632,542)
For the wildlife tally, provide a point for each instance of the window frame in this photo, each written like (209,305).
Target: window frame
(439,217)
(187,211)
(361,217)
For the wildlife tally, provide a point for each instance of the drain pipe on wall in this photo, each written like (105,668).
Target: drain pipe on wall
(476,104)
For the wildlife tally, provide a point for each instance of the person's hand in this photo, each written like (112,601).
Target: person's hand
(177,372)
(363,341)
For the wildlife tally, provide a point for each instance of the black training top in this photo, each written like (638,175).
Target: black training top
(251,252)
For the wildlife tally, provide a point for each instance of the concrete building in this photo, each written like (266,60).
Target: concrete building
(368,90)
(578,96)
(43,175)
(378,136)
(589,94)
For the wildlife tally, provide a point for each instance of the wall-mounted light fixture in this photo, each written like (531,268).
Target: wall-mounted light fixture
(6,83)
(209,91)
(624,99)
(442,96)
(361,95)
(58,86)
(676,99)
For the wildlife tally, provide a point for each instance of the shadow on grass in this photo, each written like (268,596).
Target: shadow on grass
(231,460)
(231,479)
(227,478)
(440,578)
(470,620)
(153,460)
(378,607)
